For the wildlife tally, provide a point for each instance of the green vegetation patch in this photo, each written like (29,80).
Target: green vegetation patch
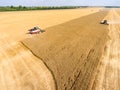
(24,8)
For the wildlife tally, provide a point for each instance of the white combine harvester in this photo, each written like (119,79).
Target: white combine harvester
(35,30)
(104,22)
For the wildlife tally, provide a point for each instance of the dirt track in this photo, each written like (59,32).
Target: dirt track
(108,77)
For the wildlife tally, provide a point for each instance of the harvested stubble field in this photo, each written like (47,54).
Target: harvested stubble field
(108,76)
(71,55)
(72,50)
(16,24)
(19,68)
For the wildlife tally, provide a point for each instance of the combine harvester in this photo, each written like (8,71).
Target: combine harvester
(35,30)
(104,22)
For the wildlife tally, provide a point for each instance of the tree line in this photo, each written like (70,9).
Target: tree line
(25,8)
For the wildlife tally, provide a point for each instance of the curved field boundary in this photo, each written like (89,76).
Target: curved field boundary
(20,69)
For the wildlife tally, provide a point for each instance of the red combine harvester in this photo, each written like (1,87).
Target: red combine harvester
(35,30)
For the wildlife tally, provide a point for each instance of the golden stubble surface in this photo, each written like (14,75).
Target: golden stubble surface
(72,50)
(19,68)
(16,24)
(108,76)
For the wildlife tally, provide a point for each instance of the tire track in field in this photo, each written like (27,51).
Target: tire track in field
(108,75)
